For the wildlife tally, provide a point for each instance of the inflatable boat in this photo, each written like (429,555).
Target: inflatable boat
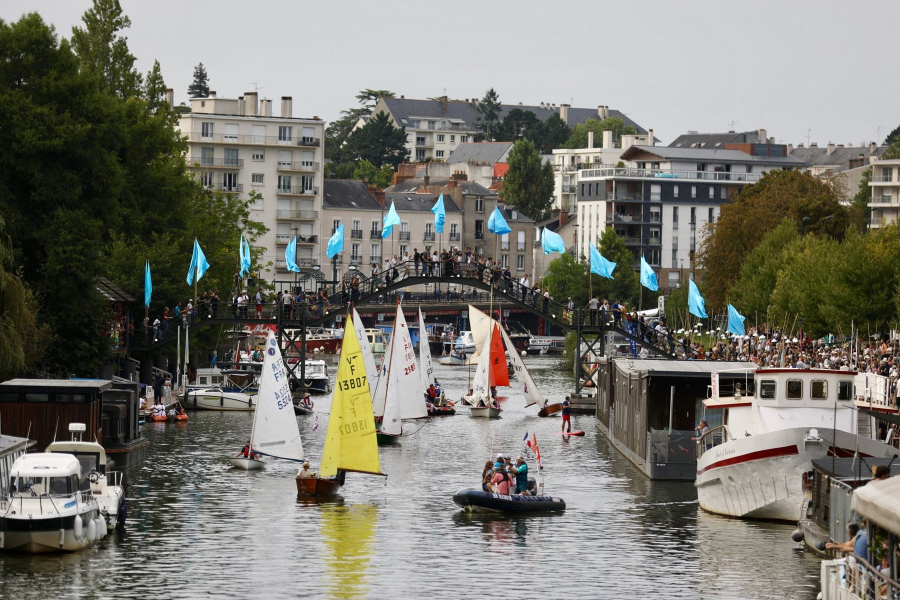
(473,499)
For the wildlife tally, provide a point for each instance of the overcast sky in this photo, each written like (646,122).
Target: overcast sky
(823,69)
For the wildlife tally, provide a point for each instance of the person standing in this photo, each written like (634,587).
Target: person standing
(417,258)
(593,304)
(567,415)
(521,470)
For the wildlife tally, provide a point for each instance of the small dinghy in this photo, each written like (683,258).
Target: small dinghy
(550,409)
(485,412)
(441,410)
(474,500)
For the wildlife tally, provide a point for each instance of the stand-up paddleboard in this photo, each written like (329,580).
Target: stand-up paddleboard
(579,433)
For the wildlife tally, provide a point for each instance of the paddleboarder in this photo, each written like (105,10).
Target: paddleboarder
(567,416)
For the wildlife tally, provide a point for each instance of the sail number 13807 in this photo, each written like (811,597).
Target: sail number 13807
(352,383)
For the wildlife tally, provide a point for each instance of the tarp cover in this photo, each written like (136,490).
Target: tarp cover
(879,502)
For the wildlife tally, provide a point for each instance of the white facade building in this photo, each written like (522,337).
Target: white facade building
(236,146)
(885,186)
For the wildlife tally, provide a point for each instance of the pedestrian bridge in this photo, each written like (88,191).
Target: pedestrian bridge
(457,290)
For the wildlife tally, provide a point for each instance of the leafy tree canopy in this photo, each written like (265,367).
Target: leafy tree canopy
(103,51)
(528,184)
(893,137)
(378,142)
(489,115)
(578,138)
(199,87)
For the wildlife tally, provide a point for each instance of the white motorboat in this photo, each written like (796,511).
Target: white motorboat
(46,510)
(216,398)
(315,373)
(466,342)
(451,357)
(753,465)
(106,487)
(546,345)
(377,338)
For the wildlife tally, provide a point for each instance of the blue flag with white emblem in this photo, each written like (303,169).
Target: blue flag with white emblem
(244,251)
(648,277)
(336,243)
(439,214)
(696,303)
(289,253)
(199,266)
(390,219)
(148,285)
(497,224)
(552,242)
(599,265)
(735,321)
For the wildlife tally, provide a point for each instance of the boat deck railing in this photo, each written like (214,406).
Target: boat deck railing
(45,500)
(711,439)
(855,578)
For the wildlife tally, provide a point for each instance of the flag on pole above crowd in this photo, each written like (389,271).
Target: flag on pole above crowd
(552,242)
(439,214)
(336,243)
(735,321)
(199,266)
(244,252)
(390,219)
(148,285)
(599,265)
(696,303)
(648,277)
(289,253)
(497,224)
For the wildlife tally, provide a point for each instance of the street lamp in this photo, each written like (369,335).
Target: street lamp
(803,222)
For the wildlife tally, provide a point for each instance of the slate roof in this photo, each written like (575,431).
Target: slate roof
(409,186)
(715,140)
(480,152)
(418,202)
(703,154)
(348,194)
(406,108)
(519,218)
(839,158)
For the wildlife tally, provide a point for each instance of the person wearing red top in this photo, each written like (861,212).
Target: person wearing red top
(501,481)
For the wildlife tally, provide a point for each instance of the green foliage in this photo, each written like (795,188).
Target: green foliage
(365,171)
(384,177)
(524,125)
(338,131)
(528,184)
(379,142)
(578,138)
(893,152)
(155,89)
(752,291)
(369,98)
(339,170)
(199,87)
(893,137)
(859,206)
(567,277)
(626,284)
(556,132)
(104,52)
(489,115)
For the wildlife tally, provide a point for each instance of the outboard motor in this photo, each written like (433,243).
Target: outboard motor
(532,487)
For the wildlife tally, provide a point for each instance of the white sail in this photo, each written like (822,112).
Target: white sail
(379,387)
(404,381)
(481,389)
(366,348)
(481,330)
(426,368)
(532,395)
(275,432)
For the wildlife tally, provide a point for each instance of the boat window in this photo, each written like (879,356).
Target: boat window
(845,390)
(818,389)
(70,398)
(794,389)
(24,485)
(204,380)
(767,389)
(88,462)
(59,486)
(32,397)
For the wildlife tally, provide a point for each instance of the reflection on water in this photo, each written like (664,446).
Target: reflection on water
(198,528)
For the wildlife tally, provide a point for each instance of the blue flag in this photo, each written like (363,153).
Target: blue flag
(336,243)
(439,214)
(696,303)
(648,277)
(735,321)
(244,251)
(289,253)
(599,265)
(552,242)
(497,224)
(390,219)
(198,264)
(148,285)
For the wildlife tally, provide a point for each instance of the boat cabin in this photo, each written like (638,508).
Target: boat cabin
(11,448)
(45,475)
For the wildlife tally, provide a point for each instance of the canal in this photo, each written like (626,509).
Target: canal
(198,528)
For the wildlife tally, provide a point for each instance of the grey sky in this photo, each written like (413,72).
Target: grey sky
(787,66)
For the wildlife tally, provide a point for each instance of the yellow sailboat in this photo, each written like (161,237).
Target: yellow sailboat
(350,441)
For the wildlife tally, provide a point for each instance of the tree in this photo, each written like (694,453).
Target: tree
(365,171)
(528,184)
(556,132)
(199,88)
(859,206)
(893,152)
(155,89)
(626,283)
(104,52)
(489,115)
(338,131)
(384,177)
(369,98)
(893,137)
(519,125)
(567,277)
(578,138)
(378,142)
(756,210)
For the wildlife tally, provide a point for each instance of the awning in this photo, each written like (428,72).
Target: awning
(879,501)
(890,418)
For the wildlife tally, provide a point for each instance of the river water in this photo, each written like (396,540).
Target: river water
(198,528)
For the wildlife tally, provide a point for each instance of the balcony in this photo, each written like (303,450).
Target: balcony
(337,259)
(355,259)
(375,234)
(303,165)
(255,140)
(520,247)
(307,239)
(302,215)
(632,173)
(504,246)
(886,177)
(625,197)
(215,163)
(654,242)
(654,218)
(298,190)
(631,240)
(356,234)
(437,126)
(404,235)
(309,142)
(620,218)
(306,262)
(429,236)
(233,188)
(568,189)
(283,238)
(454,237)
(421,143)
(564,168)
(881,200)
(479,235)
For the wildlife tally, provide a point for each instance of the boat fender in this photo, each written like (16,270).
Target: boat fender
(62,537)
(820,546)
(78,528)
(91,531)
(797,536)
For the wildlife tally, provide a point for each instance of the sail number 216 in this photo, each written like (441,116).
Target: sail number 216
(352,383)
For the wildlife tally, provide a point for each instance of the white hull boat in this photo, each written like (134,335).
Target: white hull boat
(452,361)
(753,465)
(484,412)
(217,399)
(247,464)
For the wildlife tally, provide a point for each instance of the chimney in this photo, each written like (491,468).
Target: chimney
(872,158)
(602,112)
(427,179)
(242,106)
(444,102)
(377,194)
(650,140)
(790,148)
(170,97)
(250,103)
(563,217)
(872,147)
(607,138)
(762,135)
(211,94)
(564,113)
(402,97)
(591,139)
(829,148)
(287,106)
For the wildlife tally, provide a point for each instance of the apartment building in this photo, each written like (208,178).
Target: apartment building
(238,146)
(660,202)
(885,185)
(435,128)
(847,163)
